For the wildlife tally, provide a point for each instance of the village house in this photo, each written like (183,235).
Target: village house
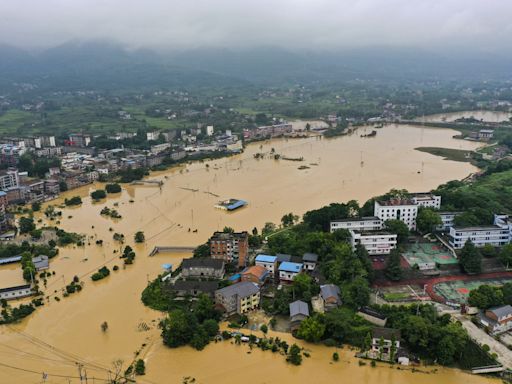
(309,261)
(238,298)
(382,340)
(182,288)
(447,220)
(372,316)
(268,262)
(497,320)
(288,271)
(299,311)
(41,262)
(202,267)
(16,292)
(255,274)
(330,294)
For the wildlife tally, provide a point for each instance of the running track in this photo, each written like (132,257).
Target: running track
(430,282)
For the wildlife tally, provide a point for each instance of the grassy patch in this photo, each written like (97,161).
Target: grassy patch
(448,153)
(396,296)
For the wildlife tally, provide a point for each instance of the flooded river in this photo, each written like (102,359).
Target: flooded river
(65,332)
(487,116)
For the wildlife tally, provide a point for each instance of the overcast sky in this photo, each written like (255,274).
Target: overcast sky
(484,24)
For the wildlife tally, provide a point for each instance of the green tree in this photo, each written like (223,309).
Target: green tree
(202,250)
(264,329)
(486,296)
(228,230)
(506,255)
(289,219)
(470,258)
(304,287)
(36,206)
(488,251)
(398,227)
(393,265)
(98,194)
(139,237)
(427,220)
(113,188)
(355,293)
(140,367)
(178,328)
(211,327)
(26,224)
(294,355)
(311,329)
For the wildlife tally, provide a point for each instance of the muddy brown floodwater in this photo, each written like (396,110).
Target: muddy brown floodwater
(61,334)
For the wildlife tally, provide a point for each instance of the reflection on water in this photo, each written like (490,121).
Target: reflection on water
(339,169)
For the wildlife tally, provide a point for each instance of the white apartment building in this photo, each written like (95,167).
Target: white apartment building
(375,242)
(427,200)
(479,236)
(209,130)
(397,209)
(371,223)
(497,235)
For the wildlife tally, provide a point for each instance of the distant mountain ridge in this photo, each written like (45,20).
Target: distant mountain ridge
(107,65)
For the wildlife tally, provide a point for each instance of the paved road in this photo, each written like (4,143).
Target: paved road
(479,335)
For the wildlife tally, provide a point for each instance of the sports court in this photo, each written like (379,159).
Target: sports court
(428,255)
(457,291)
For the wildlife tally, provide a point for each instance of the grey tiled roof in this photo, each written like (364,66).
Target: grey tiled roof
(299,308)
(242,289)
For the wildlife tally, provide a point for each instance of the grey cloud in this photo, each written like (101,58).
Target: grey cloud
(288,23)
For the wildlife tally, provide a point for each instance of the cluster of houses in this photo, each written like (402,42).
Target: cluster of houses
(369,231)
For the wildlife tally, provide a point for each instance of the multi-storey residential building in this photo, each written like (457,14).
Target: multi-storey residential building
(238,298)
(10,154)
(427,200)
(371,223)
(79,140)
(397,209)
(375,242)
(3,213)
(9,179)
(230,247)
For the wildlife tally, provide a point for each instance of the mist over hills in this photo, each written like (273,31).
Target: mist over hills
(107,65)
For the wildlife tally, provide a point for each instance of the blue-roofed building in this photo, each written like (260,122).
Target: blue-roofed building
(288,271)
(269,263)
(231,204)
(234,278)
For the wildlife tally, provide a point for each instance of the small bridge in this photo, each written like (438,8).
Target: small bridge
(170,249)
(158,183)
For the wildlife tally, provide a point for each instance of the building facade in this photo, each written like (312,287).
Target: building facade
(238,298)
(493,235)
(371,223)
(397,209)
(375,242)
(427,200)
(230,247)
